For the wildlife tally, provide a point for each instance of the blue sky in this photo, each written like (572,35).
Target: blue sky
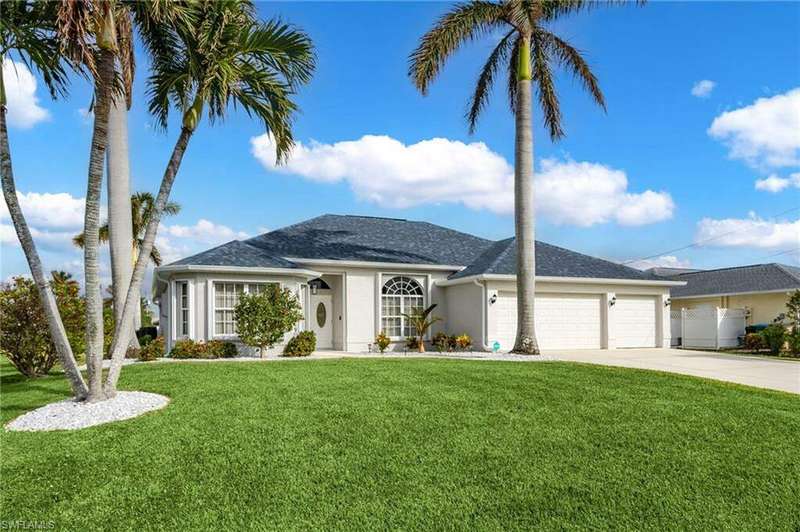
(673,161)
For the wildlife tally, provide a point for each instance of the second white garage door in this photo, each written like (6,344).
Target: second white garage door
(635,321)
(563,321)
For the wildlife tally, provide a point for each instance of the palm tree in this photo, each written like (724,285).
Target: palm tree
(90,33)
(141,205)
(528,50)
(223,58)
(28,32)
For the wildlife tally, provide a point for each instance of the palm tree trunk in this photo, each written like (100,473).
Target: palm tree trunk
(524,215)
(54,323)
(123,332)
(120,224)
(104,85)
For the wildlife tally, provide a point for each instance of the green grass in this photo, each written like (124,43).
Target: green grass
(422,443)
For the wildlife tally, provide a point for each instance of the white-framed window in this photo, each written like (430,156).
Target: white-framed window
(400,295)
(226,297)
(183,309)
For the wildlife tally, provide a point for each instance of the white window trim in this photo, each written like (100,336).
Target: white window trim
(174,308)
(211,305)
(383,278)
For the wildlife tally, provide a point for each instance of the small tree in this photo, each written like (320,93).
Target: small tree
(263,318)
(25,339)
(422,320)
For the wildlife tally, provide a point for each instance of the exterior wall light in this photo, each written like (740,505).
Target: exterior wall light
(612,301)
(668,302)
(493,299)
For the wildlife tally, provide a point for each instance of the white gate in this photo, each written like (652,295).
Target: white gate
(708,327)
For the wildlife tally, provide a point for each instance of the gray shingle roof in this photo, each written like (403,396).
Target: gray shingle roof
(364,238)
(371,239)
(551,261)
(236,253)
(755,278)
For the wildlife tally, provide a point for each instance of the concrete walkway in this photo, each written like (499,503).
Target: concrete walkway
(763,372)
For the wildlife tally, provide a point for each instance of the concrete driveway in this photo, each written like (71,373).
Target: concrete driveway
(762,372)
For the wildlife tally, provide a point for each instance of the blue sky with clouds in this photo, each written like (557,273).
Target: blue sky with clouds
(701,141)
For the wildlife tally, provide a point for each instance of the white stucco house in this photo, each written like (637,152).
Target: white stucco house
(356,275)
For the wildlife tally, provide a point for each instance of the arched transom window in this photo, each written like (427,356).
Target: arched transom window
(400,295)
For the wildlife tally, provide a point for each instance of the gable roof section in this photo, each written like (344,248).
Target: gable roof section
(737,280)
(238,254)
(372,239)
(551,261)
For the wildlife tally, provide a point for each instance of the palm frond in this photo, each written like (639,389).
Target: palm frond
(226,61)
(545,86)
(463,23)
(28,32)
(513,59)
(483,88)
(553,9)
(572,59)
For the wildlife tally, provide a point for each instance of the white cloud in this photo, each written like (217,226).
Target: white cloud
(49,210)
(752,232)
(24,110)
(584,194)
(387,172)
(703,88)
(765,133)
(178,241)
(664,261)
(775,183)
(203,231)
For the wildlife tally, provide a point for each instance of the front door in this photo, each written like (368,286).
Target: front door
(322,320)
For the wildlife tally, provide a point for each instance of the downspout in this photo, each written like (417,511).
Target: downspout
(483,343)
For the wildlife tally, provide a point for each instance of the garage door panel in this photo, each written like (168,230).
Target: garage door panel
(563,321)
(635,318)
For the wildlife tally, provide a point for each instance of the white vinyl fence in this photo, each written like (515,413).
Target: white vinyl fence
(707,327)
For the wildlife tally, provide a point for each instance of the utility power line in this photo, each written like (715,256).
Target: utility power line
(701,242)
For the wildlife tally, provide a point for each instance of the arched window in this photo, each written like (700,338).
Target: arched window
(400,295)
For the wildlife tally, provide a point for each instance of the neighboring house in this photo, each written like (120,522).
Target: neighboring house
(761,289)
(356,276)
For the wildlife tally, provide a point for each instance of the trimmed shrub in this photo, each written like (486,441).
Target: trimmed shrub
(412,342)
(793,342)
(153,350)
(303,344)
(219,349)
(382,341)
(774,337)
(754,342)
(441,341)
(132,352)
(464,341)
(186,349)
(145,340)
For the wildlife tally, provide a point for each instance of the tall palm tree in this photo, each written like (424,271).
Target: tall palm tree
(225,58)
(89,32)
(28,32)
(529,51)
(146,16)
(141,205)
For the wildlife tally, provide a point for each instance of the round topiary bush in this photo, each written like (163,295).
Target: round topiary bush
(301,345)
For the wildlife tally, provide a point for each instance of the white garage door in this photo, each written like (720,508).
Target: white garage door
(635,321)
(563,321)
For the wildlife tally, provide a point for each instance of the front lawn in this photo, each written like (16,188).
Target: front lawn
(418,443)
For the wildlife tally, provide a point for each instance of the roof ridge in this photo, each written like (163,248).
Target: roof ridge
(789,270)
(732,268)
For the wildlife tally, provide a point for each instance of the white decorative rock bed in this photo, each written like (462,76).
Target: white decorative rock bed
(72,415)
